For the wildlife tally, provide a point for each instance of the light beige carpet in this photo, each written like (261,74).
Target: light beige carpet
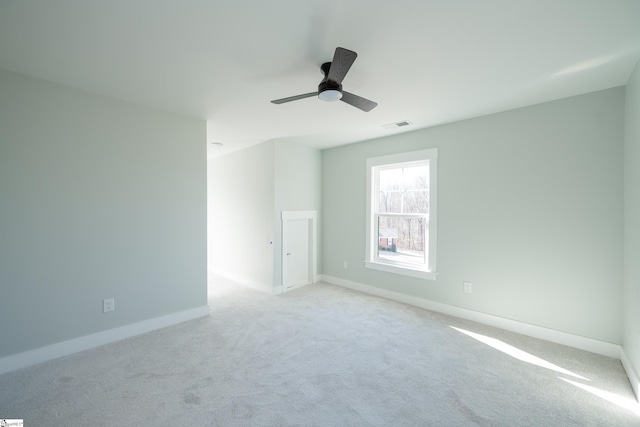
(322,356)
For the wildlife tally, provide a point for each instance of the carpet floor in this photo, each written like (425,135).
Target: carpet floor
(322,355)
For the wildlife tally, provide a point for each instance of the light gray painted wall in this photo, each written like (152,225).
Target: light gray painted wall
(298,180)
(240,213)
(247,191)
(530,208)
(98,199)
(631,300)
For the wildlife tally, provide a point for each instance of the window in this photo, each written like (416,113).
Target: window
(401,213)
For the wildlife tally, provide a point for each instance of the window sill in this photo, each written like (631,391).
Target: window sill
(405,271)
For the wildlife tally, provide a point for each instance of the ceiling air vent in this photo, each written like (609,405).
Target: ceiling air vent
(397,124)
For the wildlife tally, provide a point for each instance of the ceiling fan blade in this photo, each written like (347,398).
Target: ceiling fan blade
(343,59)
(294,98)
(358,101)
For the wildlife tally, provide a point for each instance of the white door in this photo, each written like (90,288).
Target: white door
(297,256)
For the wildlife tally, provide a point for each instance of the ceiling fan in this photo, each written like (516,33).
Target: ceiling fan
(330,88)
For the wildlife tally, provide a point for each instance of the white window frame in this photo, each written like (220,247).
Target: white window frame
(396,160)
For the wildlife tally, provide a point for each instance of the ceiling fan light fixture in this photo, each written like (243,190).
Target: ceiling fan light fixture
(330,95)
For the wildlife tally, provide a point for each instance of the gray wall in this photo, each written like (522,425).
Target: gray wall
(530,208)
(240,214)
(631,324)
(98,199)
(298,180)
(248,190)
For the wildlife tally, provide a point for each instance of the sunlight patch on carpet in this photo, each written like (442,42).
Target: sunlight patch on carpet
(517,353)
(623,402)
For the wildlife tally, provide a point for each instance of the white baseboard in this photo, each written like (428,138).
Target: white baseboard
(262,287)
(564,338)
(65,348)
(631,373)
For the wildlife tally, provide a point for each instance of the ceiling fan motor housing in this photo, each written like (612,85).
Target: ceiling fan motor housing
(329,90)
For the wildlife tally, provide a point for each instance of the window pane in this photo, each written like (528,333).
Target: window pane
(416,201)
(390,179)
(390,201)
(402,239)
(404,189)
(415,177)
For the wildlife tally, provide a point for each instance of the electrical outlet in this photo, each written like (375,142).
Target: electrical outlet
(346,265)
(468,287)
(108,305)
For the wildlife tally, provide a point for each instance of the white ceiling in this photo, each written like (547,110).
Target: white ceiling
(425,61)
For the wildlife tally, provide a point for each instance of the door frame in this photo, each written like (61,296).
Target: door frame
(312,217)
